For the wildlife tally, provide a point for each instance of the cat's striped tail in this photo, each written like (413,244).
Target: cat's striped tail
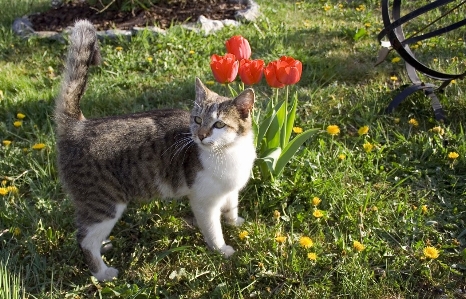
(83,52)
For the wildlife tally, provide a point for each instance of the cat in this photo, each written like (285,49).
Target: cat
(205,155)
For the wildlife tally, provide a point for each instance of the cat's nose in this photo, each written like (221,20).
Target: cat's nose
(201,136)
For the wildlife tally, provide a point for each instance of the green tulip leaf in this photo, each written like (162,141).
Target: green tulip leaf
(271,157)
(281,118)
(291,119)
(273,131)
(290,150)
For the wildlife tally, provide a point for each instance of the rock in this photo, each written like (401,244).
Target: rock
(250,14)
(154,29)
(208,26)
(23,27)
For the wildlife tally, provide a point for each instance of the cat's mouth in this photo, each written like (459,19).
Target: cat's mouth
(207,143)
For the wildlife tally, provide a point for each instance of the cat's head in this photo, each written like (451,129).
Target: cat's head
(218,121)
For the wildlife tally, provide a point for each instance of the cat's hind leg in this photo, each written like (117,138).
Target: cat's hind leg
(90,239)
(230,210)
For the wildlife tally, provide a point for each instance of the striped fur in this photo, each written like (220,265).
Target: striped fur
(205,155)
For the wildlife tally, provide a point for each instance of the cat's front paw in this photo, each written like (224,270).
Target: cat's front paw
(239,221)
(106,274)
(227,250)
(235,222)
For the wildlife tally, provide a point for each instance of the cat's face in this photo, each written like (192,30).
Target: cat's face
(216,121)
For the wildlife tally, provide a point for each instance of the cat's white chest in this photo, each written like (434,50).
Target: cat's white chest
(229,169)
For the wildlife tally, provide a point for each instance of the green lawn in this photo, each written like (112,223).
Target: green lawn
(397,189)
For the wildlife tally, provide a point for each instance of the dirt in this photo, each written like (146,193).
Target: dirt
(163,14)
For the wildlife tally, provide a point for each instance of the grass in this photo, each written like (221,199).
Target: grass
(397,199)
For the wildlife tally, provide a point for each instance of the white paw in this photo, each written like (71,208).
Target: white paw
(227,250)
(239,221)
(106,274)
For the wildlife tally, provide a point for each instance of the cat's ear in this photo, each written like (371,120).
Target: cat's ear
(201,91)
(244,102)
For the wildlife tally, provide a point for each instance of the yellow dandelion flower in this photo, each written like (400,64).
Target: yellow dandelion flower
(3,191)
(119,48)
(243,235)
(210,82)
(280,239)
(12,189)
(318,214)
(453,81)
(363,130)
(435,59)
(396,120)
(316,201)
(327,7)
(342,156)
(424,209)
(312,256)
(6,142)
(367,24)
(20,116)
(191,52)
(413,122)
(38,146)
(333,130)
(340,6)
(276,214)
(438,130)
(18,123)
(396,59)
(361,7)
(453,155)
(297,130)
(16,231)
(306,242)
(111,238)
(358,246)
(431,252)
(150,58)
(368,147)
(394,78)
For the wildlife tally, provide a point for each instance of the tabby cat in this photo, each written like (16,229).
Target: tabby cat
(105,163)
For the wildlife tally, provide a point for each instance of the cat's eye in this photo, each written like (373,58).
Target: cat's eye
(219,124)
(197,120)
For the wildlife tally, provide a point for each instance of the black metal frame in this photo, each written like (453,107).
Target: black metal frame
(394,32)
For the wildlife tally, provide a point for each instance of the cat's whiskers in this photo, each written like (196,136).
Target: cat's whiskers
(176,143)
(183,143)
(187,148)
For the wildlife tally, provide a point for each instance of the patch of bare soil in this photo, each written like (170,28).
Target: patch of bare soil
(162,15)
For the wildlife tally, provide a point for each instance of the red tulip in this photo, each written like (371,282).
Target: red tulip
(289,70)
(270,73)
(224,68)
(250,71)
(285,71)
(239,46)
